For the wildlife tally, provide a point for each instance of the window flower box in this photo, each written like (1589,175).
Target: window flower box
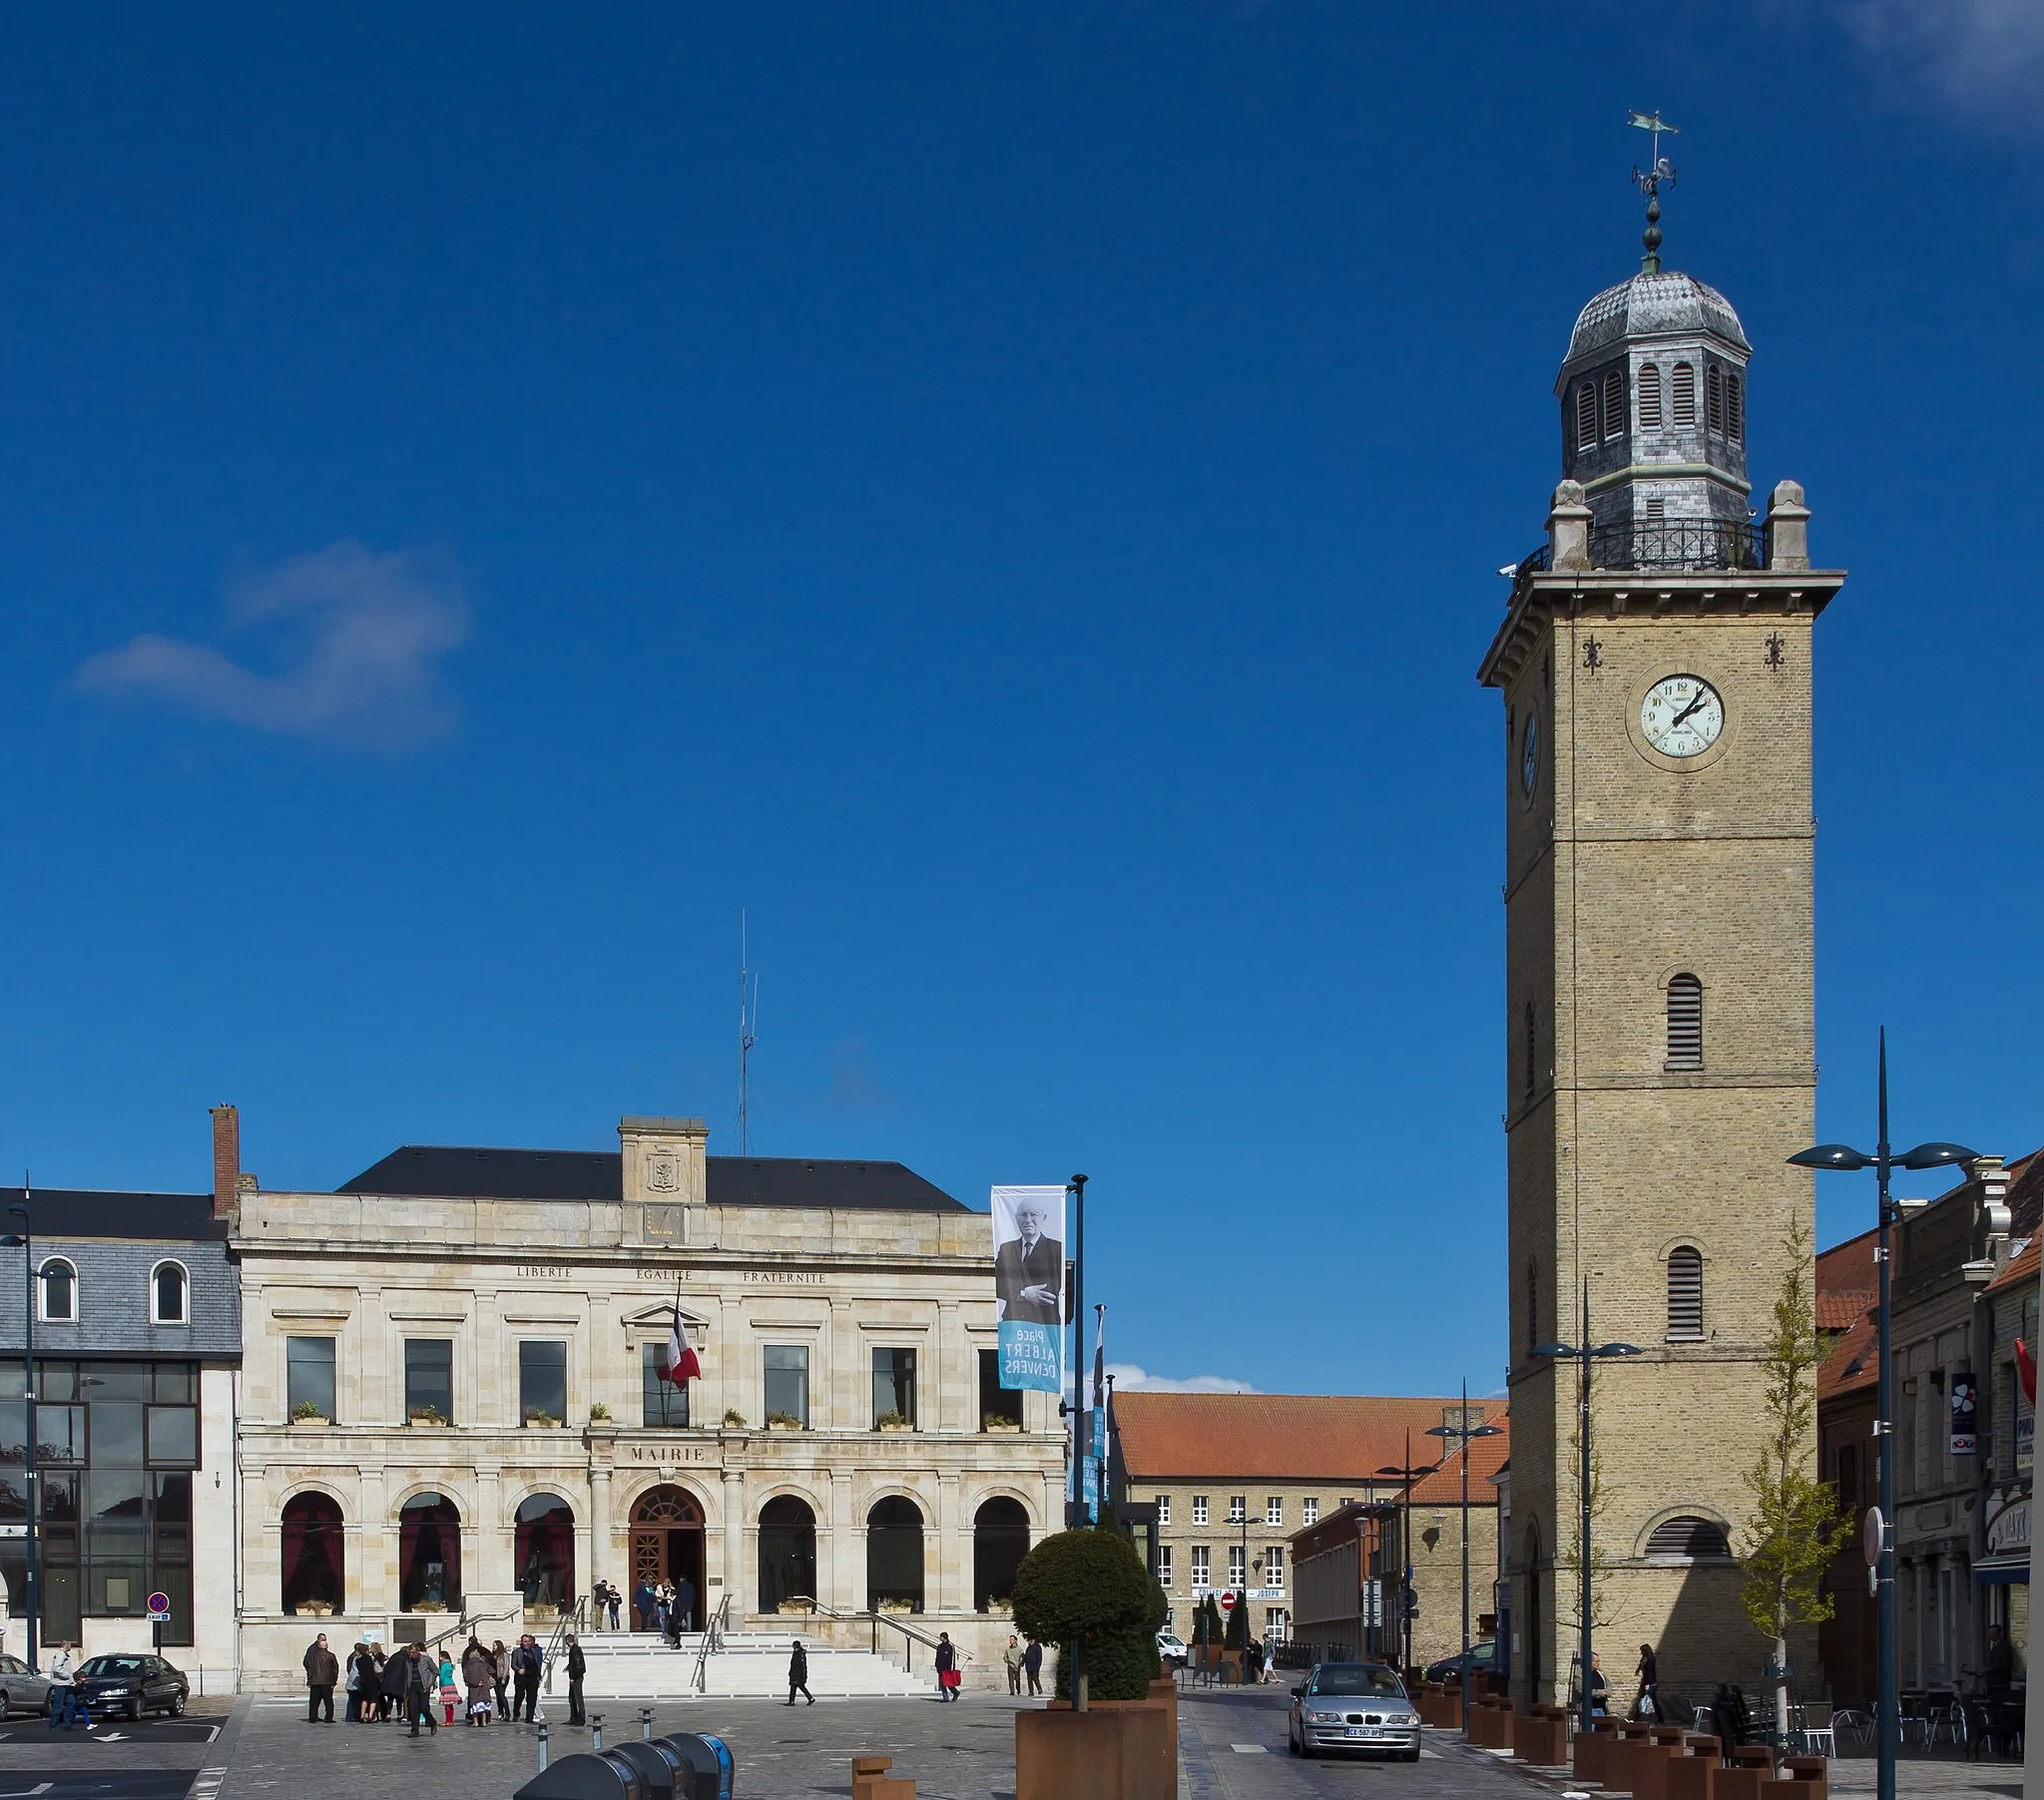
(992,1422)
(784,1422)
(426,1417)
(538,1421)
(892,1422)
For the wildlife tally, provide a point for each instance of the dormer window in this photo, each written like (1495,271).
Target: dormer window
(1649,384)
(1614,405)
(1734,406)
(1683,393)
(59,1283)
(1714,400)
(167,1291)
(1586,416)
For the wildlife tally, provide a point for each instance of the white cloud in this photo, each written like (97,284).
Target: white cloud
(1969,55)
(367,630)
(1127,1379)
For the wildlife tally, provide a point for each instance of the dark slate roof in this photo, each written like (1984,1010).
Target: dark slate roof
(89,1213)
(491,1174)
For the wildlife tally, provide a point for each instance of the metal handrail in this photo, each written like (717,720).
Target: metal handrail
(467,1625)
(573,1615)
(1678,544)
(713,1639)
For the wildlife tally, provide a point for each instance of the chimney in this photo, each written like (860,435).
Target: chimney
(227,1161)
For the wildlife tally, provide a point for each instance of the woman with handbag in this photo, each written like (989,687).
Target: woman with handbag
(947,1666)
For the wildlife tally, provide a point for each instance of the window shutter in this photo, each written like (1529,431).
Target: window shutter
(1685,1294)
(1685,1021)
(1586,416)
(1683,394)
(1614,405)
(1650,396)
(1686,1539)
(1714,400)
(1735,408)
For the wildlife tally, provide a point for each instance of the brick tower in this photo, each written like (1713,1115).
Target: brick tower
(1655,667)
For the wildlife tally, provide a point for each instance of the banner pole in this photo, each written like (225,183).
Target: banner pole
(1077,1186)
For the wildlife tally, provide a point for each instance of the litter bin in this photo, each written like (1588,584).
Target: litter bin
(587,1776)
(667,1773)
(707,1756)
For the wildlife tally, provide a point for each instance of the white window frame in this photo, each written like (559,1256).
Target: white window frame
(184,1290)
(1164,1567)
(1238,1509)
(43,1292)
(1203,1564)
(1273,1508)
(1237,1573)
(1164,1509)
(1273,1565)
(1199,1508)
(1309,1509)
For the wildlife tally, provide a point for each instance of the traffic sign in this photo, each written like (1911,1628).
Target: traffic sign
(1873,1529)
(158,1606)
(1227,1602)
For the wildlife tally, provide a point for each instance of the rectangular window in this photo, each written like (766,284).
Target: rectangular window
(998,1406)
(429,1378)
(171,1551)
(60,1433)
(543,1381)
(1164,1567)
(1234,1570)
(894,1388)
(1309,1509)
(1199,1508)
(308,1377)
(788,1384)
(1237,1507)
(663,1404)
(1273,1562)
(1164,1509)
(171,1434)
(1202,1565)
(1273,1508)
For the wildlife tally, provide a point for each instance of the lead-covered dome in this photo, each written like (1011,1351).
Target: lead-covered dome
(1654,305)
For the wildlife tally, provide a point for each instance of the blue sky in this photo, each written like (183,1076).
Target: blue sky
(1007,495)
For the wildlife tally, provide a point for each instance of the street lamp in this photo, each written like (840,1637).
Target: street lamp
(1586,1354)
(1406,1475)
(19,1210)
(1462,1432)
(1844,1157)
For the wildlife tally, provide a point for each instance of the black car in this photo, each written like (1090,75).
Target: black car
(133,1684)
(1483,1657)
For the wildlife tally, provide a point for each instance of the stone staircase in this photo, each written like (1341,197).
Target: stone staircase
(641,1666)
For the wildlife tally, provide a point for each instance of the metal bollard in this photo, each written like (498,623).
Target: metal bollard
(646,1724)
(542,1744)
(596,1729)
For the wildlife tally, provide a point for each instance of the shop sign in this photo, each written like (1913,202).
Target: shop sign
(2009,1529)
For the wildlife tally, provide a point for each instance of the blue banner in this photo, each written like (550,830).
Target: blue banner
(1089,1498)
(1032,1356)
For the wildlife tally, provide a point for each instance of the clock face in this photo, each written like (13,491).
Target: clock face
(1682,715)
(1529,753)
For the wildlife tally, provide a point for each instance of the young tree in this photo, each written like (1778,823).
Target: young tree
(1788,1538)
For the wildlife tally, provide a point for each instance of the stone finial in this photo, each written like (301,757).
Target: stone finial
(1568,528)
(1787,526)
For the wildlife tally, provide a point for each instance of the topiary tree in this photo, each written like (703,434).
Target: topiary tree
(1091,1587)
(1238,1625)
(1208,1626)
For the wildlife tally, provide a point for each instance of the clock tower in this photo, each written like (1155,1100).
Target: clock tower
(1654,670)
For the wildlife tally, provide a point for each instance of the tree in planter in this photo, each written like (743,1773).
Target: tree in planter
(1789,1540)
(1238,1638)
(1208,1626)
(1090,1587)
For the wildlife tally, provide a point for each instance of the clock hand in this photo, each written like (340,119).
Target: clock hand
(1692,707)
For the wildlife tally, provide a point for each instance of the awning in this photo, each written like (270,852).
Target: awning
(2000,1570)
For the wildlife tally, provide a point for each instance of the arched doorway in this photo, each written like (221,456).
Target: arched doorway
(667,1544)
(788,1552)
(314,1555)
(543,1551)
(894,1554)
(1000,1540)
(429,1554)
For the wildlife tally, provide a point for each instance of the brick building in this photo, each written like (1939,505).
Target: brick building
(1238,1478)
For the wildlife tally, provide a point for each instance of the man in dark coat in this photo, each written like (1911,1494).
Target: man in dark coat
(799,1674)
(391,1679)
(323,1670)
(1029,1270)
(1032,1667)
(421,1683)
(526,1665)
(947,1667)
(681,1614)
(578,1666)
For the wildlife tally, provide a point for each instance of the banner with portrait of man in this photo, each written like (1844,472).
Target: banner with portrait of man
(1029,1286)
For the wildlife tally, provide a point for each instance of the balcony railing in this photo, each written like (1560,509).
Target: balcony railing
(1666,544)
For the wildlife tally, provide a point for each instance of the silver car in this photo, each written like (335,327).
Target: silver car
(1353,1706)
(21,1689)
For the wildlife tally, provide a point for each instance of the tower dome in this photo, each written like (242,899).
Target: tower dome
(1653,412)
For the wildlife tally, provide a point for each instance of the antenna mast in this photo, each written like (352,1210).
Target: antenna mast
(749,1020)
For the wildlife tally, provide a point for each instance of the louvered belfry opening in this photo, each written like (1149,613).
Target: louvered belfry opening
(1586,416)
(1649,380)
(1685,1023)
(1614,405)
(1735,408)
(1688,1538)
(1684,393)
(1714,400)
(1685,1294)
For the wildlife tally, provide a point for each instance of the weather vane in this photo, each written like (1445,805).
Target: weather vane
(1649,180)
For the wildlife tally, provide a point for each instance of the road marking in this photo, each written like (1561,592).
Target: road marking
(1250,1749)
(24,1793)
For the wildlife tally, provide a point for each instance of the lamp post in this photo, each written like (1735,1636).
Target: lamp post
(1844,1157)
(1462,1432)
(1584,1355)
(1406,1475)
(20,1209)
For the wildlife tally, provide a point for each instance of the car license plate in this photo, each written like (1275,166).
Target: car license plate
(1359,1731)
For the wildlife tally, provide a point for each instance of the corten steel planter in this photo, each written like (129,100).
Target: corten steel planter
(1114,1750)
(1592,1752)
(1539,1737)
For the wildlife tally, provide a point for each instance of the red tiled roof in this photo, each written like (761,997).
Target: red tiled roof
(1852,1363)
(1342,1437)
(2022,1267)
(1841,1311)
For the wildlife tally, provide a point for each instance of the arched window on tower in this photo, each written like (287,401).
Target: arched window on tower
(1532,1054)
(1683,394)
(1714,400)
(1685,1021)
(1685,1294)
(1734,406)
(1586,416)
(1614,405)
(1649,386)
(1688,1540)
(1532,1303)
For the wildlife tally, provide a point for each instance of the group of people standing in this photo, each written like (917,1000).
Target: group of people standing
(499,1685)
(668,1607)
(1024,1660)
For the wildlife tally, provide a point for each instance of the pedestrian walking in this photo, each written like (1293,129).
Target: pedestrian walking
(323,1671)
(684,1607)
(1649,1672)
(1600,1690)
(578,1666)
(501,1657)
(419,1684)
(612,1600)
(61,1664)
(1015,1655)
(799,1674)
(642,1604)
(450,1695)
(526,1665)
(1032,1667)
(947,1667)
(396,1684)
(478,1676)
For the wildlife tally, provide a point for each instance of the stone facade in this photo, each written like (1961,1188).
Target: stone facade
(366,1271)
(1639,885)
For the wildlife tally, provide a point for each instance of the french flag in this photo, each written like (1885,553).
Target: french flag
(678,1364)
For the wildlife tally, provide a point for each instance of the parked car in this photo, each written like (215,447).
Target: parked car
(1449,1669)
(1172,1651)
(135,1685)
(21,1689)
(1352,1706)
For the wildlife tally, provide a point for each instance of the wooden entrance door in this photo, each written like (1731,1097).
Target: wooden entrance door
(666,1541)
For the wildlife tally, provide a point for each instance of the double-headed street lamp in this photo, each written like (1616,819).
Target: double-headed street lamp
(1844,1157)
(20,1210)
(1462,1430)
(1406,1475)
(1586,1354)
